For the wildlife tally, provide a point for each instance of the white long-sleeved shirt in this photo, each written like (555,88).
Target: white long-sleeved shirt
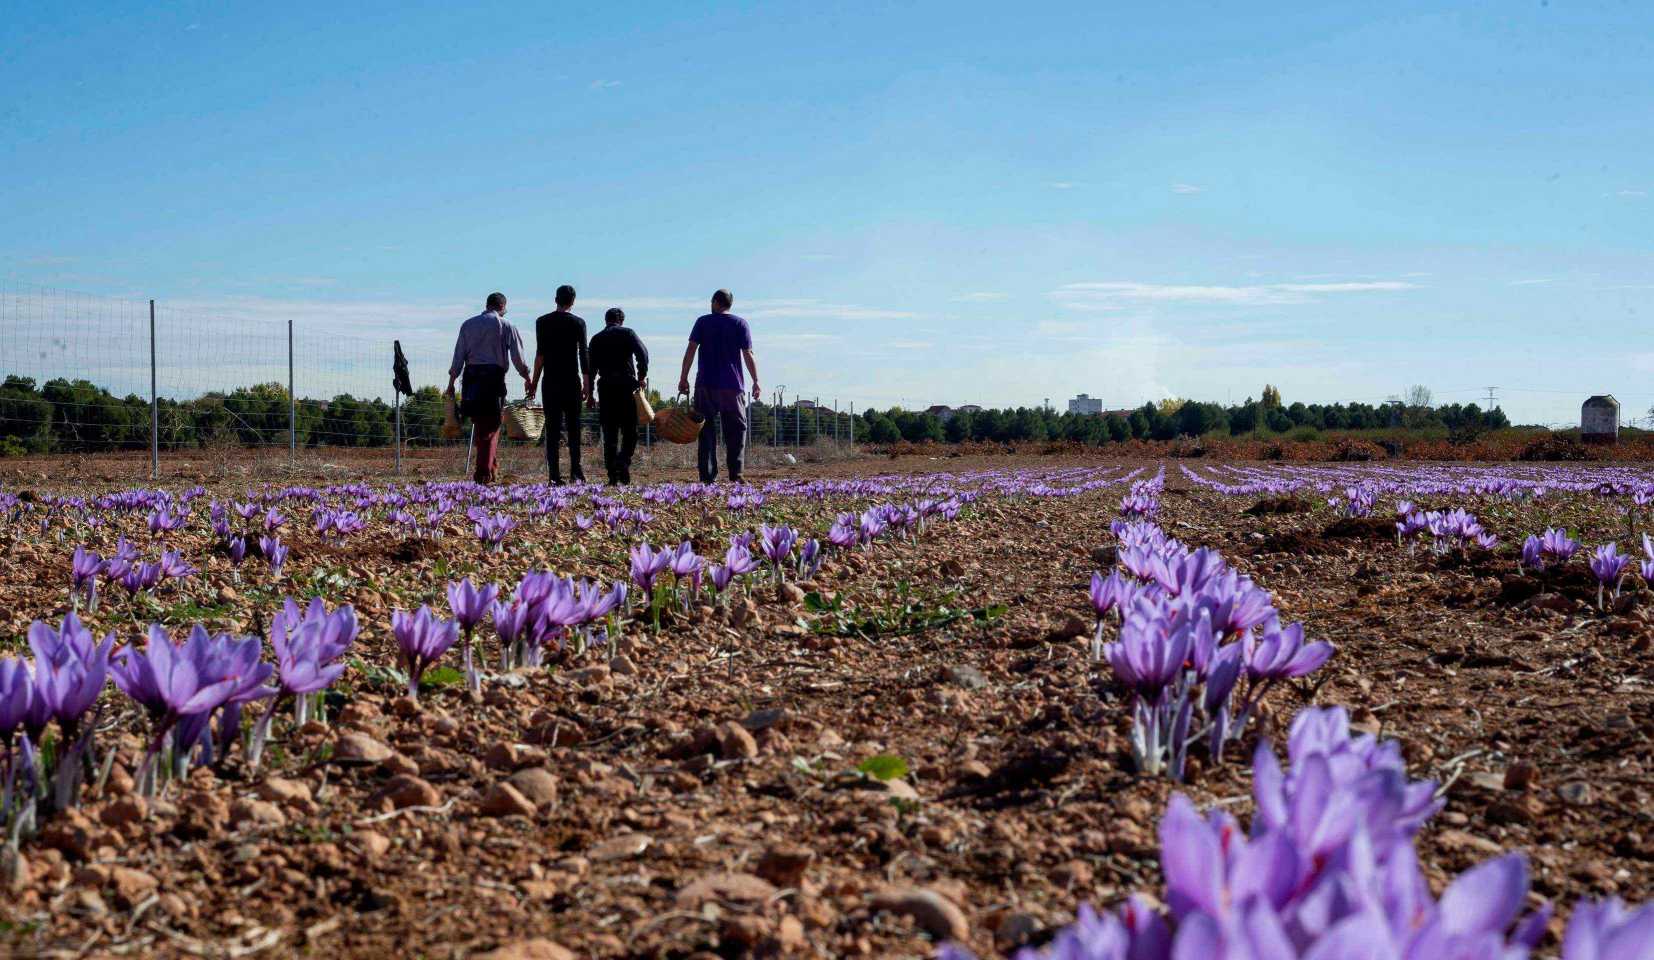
(488,338)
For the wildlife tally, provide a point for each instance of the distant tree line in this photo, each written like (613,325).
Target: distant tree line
(1171,419)
(76,415)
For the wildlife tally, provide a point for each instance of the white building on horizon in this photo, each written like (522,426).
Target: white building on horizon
(1085,404)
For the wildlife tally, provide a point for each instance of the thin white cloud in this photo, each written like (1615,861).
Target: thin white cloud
(981,296)
(1632,194)
(604,84)
(1536,281)
(1187,188)
(795,340)
(908,344)
(1062,184)
(816,310)
(1117,294)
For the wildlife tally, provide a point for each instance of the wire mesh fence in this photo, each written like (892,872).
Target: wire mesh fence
(187,382)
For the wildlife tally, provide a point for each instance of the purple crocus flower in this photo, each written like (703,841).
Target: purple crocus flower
(719,574)
(739,560)
(810,557)
(596,604)
(512,622)
(163,520)
(1607,565)
(170,681)
(124,550)
(174,565)
(1556,546)
(1533,553)
(647,565)
(238,550)
(776,543)
(1107,593)
(1608,930)
(470,605)
(138,577)
(423,638)
(308,647)
(1281,653)
(491,530)
(686,563)
(70,668)
(274,553)
(17,693)
(235,659)
(83,571)
(1149,654)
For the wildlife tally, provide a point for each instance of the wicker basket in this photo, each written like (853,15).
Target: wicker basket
(679,424)
(450,417)
(523,422)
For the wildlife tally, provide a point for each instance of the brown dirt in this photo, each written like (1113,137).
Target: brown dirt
(703,805)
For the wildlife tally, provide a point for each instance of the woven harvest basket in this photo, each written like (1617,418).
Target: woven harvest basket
(523,422)
(679,424)
(450,417)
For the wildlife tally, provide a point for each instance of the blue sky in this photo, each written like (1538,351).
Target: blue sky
(931,203)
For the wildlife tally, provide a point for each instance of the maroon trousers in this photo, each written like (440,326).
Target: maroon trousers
(488,447)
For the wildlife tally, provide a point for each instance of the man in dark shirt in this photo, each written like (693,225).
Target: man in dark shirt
(724,343)
(560,353)
(612,351)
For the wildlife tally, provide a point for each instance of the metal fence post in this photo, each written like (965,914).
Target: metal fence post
(396,396)
(292,404)
(852,425)
(154,405)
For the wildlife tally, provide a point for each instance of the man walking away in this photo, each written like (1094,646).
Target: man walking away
(612,352)
(485,344)
(724,342)
(560,354)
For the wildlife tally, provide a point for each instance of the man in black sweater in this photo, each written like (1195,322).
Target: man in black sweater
(612,353)
(560,353)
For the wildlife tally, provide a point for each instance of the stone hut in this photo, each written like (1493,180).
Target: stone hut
(1599,420)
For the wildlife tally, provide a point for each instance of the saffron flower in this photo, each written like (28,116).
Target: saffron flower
(174,565)
(170,681)
(776,543)
(274,553)
(83,572)
(647,566)
(423,638)
(470,605)
(1281,653)
(1556,547)
(1607,565)
(308,645)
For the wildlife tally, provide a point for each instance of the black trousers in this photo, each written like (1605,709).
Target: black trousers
(617,412)
(562,417)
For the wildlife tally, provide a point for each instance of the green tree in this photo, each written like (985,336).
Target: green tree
(883,430)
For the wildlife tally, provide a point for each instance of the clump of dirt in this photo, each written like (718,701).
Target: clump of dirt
(1270,506)
(1361,528)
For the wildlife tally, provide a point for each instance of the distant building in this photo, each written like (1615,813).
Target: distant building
(941,411)
(804,404)
(967,408)
(1085,404)
(1599,419)
(1126,413)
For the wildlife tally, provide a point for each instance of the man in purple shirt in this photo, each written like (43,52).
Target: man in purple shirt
(724,343)
(485,344)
